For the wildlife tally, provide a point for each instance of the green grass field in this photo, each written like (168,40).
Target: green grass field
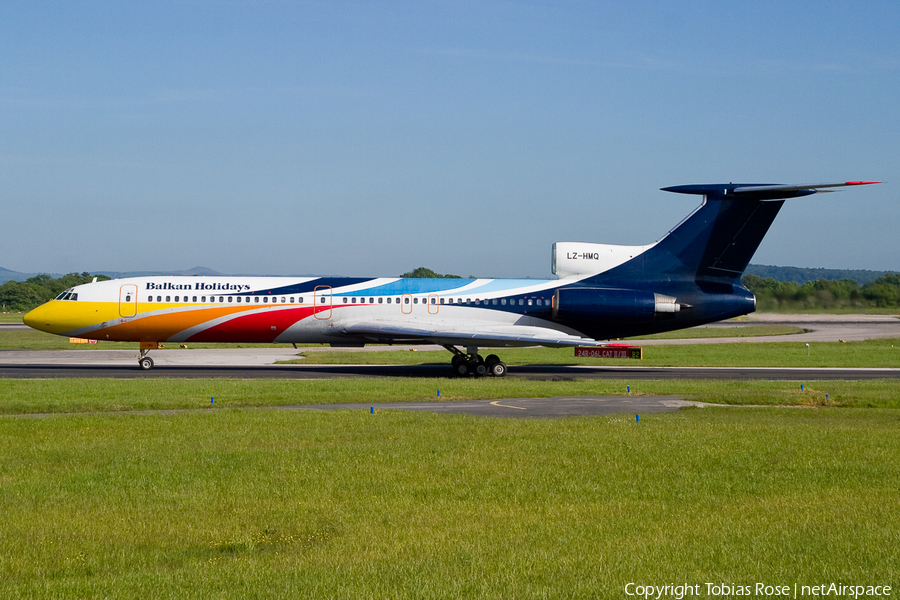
(29,338)
(38,340)
(231,500)
(262,504)
(39,396)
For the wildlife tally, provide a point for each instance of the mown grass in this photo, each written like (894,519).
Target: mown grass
(732,331)
(251,504)
(869,353)
(39,340)
(31,396)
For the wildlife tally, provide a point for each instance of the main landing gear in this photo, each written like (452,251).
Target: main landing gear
(471,363)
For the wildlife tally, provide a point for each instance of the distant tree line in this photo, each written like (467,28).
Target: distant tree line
(803,274)
(28,294)
(425,273)
(771,294)
(883,292)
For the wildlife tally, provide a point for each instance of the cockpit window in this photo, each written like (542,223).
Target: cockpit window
(69,294)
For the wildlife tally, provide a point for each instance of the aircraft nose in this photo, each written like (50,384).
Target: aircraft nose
(32,317)
(40,318)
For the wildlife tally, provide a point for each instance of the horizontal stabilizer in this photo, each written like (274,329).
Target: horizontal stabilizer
(759,191)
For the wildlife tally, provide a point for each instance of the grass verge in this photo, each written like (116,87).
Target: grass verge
(249,504)
(30,396)
(30,338)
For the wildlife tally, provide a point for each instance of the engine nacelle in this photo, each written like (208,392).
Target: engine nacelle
(610,304)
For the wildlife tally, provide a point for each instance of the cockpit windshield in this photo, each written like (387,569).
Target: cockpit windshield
(69,294)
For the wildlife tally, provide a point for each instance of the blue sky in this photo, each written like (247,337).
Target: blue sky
(369,138)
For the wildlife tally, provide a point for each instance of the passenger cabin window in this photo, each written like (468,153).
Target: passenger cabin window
(168,298)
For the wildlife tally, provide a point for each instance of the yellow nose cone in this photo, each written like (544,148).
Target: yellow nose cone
(36,319)
(49,317)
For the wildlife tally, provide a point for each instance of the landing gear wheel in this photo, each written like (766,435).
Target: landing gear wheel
(461,368)
(146,363)
(498,369)
(472,363)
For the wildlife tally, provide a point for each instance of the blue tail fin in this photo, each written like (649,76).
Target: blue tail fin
(716,242)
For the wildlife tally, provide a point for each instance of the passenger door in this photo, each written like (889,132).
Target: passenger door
(128,301)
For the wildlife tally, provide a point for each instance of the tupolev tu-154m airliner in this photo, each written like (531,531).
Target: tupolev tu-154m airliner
(689,277)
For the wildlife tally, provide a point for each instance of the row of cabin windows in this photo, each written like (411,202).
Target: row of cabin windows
(501,301)
(434,300)
(265,299)
(381,300)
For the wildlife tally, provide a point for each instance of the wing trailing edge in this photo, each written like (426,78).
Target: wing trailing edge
(499,336)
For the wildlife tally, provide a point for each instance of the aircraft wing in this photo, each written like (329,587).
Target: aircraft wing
(510,335)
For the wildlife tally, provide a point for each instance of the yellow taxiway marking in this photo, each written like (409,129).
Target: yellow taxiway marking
(497,403)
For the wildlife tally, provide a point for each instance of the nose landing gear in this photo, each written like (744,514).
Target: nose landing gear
(471,363)
(145,362)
